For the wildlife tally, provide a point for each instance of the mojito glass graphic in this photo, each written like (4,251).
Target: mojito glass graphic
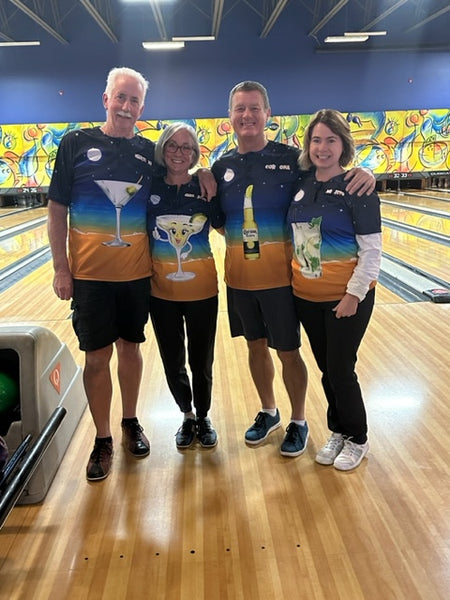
(119,193)
(179,229)
(307,242)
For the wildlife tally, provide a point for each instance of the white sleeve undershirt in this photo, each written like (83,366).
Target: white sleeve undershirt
(368,267)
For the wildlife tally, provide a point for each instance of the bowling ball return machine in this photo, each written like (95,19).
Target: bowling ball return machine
(49,404)
(16,473)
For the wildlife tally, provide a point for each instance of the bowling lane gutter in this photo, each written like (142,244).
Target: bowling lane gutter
(8,213)
(432,212)
(431,236)
(18,270)
(407,281)
(414,195)
(22,228)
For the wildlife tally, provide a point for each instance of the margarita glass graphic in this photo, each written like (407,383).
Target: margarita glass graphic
(179,229)
(119,193)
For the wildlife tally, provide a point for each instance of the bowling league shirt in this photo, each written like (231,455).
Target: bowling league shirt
(179,222)
(271,173)
(324,221)
(105,182)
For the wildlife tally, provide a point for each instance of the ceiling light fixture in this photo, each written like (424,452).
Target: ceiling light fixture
(369,33)
(353,36)
(162,45)
(340,39)
(20,43)
(195,38)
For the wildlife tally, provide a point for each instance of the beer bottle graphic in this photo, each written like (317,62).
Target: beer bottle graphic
(250,238)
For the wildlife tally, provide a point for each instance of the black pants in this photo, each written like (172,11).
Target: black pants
(335,343)
(172,322)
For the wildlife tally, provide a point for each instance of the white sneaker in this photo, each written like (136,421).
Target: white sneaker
(351,455)
(330,451)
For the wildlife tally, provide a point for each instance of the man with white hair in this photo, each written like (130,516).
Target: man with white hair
(102,180)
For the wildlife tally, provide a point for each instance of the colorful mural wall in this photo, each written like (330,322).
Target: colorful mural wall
(391,143)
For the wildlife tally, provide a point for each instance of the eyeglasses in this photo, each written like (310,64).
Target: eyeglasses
(173,147)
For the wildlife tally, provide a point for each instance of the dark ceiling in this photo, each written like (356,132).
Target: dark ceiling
(411,25)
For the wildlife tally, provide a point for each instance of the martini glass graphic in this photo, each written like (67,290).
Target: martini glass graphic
(179,229)
(119,193)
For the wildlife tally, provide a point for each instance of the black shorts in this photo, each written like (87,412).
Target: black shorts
(269,314)
(105,311)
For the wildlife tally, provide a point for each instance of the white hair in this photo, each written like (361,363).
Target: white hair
(121,71)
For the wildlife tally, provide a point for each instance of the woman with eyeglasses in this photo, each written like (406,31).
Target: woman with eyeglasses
(184,295)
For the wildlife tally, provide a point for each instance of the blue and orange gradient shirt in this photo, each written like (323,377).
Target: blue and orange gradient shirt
(179,222)
(272,173)
(105,182)
(324,220)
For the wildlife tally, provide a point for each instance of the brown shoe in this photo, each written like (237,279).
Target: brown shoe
(134,439)
(100,460)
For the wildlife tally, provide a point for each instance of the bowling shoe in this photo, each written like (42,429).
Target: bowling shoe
(134,439)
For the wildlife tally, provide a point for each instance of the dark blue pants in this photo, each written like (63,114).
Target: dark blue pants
(172,322)
(335,343)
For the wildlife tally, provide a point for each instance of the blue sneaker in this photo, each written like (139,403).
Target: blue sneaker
(263,425)
(295,440)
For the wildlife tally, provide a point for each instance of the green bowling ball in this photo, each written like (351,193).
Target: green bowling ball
(9,392)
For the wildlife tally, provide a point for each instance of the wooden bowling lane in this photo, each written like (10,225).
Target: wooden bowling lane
(422,214)
(23,234)
(416,218)
(439,192)
(240,523)
(10,218)
(18,247)
(430,193)
(430,257)
(417,200)
(386,296)
(33,297)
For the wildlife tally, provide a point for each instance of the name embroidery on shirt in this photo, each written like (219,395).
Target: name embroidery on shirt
(335,192)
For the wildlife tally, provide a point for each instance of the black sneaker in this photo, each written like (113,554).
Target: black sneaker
(134,439)
(185,436)
(100,460)
(206,434)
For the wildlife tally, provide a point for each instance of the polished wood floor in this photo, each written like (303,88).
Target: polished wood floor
(241,523)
